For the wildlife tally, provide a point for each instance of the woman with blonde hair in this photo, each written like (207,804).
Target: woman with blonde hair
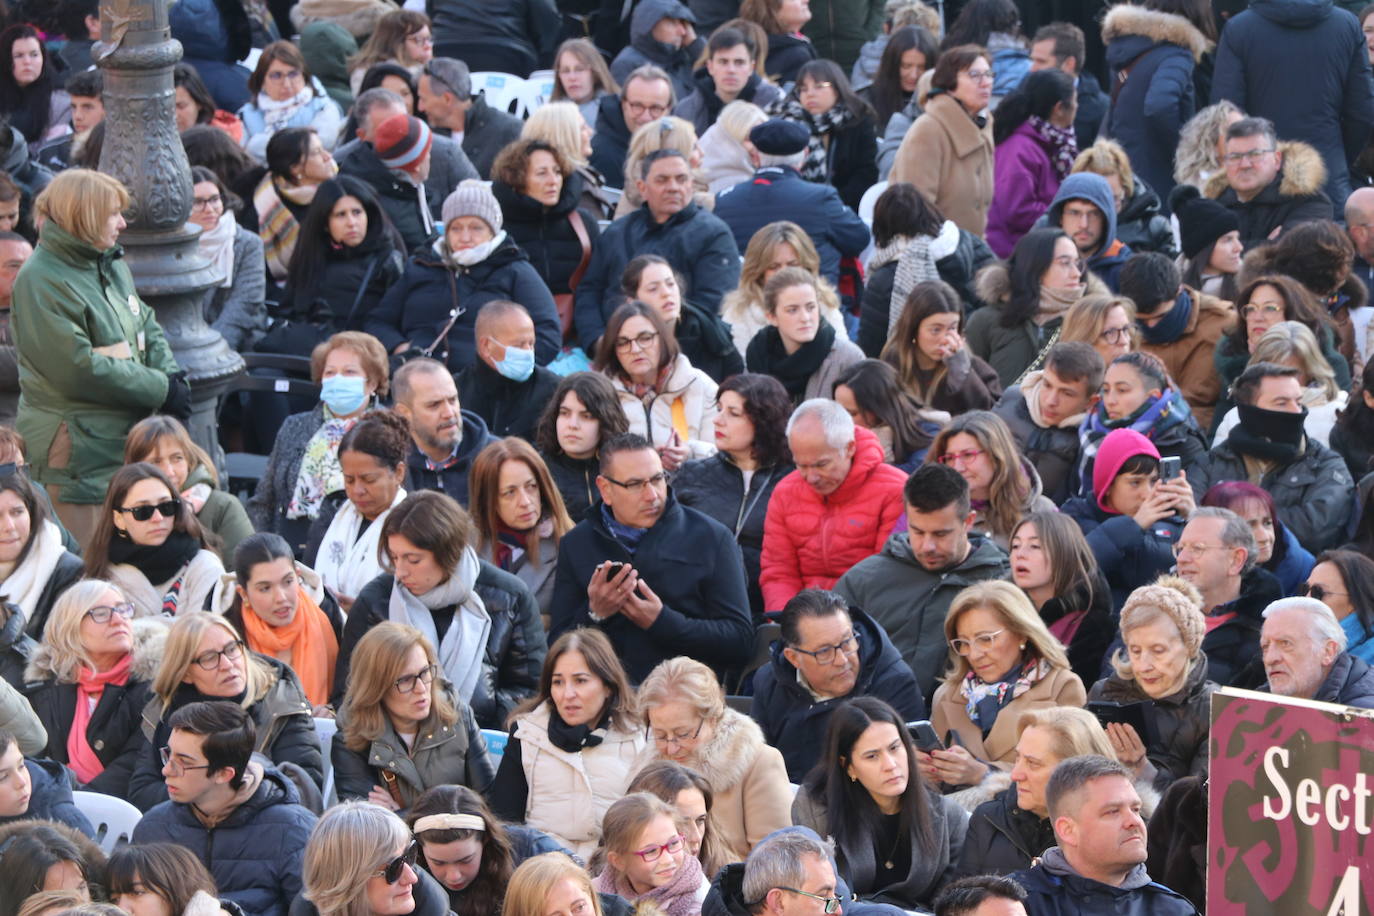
(88,682)
(163,442)
(646,859)
(1009,831)
(775,246)
(360,861)
(1002,662)
(581,77)
(1003,485)
(1104,322)
(205,659)
(689,793)
(725,146)
(667,132)
(579,738)
(563,126)
(551,883)
(519,514)
(402,727)
(1140,221)
(1201,144)
(690,724)
(113,366)
(1291,343)
(402,36)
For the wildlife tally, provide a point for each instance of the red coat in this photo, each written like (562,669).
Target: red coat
(810,540)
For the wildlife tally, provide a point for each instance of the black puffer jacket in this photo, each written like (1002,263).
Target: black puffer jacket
(1182,721)
(1232,648)
(1003,837)
(715,486)
(509,408)
(340,301)
(399,198)
(546,234)
(16,646)
(515,646)
(576,482)
(1141,223)
(705,340)
(786,55)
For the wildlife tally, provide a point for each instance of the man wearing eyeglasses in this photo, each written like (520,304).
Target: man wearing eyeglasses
(1269,185)
(1304,650)
(242,818)
(791,872)
(35,789)
(1086,210)
(658,578)
(645,95)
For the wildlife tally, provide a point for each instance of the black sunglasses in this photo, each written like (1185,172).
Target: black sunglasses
(392,872)
(168,508)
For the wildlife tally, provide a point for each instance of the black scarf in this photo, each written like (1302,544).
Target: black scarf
(1271,435)
(767,354)
(160,563)
(574,738)
(1171,327)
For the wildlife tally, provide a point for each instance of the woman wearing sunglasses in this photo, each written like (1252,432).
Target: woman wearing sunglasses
(402,727)
(894,835)
(645,857)
(149,543)
(205,659)
(360,861)
(1344,581)
(89,681)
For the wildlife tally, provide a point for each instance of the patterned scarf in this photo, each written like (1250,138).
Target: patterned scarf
(676,898)
(1061,140)
(278,115)
(647,392)
(815,167)
(320,472)
(976,691)
(914,265)
(277,225)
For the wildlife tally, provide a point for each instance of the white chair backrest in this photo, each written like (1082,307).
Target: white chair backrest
(539,85)
(113,818)
(496,741)
(501,90)
(325,729)
(869,201)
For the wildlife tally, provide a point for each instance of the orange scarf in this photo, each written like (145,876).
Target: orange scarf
(309,637)
(89,686)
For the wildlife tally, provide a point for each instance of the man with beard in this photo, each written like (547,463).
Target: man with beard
(1086,210)
(447,438)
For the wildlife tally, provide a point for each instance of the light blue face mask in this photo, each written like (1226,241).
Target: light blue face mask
(343,394)
(518,364)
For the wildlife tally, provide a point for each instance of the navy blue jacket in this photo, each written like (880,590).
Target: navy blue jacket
(417,308)
(780,193)
(690,561)
(50,796)
(696,243)
(794,722)
(453,479)
(611,142)
(254,854)
(1050,893)
(1128,555)
(1327,102)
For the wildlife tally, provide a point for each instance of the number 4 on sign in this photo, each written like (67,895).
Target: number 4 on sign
(1347,899)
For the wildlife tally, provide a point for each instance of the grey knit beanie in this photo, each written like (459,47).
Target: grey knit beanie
(473,198)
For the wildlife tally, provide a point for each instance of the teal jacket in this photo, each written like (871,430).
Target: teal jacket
(92,361)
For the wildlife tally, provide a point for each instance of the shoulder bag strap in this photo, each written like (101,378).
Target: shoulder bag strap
(453,314)
(575,217)
(362,288)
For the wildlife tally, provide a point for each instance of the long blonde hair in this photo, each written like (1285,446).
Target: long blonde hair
(558,124)
(183,642)
(62,633)
(1010,489)
(1294,340)
(350,843)
(757,256)
(1011,604)
(377,662)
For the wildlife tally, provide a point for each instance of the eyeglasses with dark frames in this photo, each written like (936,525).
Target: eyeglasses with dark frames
(210,661)
(407,683)
(826,654)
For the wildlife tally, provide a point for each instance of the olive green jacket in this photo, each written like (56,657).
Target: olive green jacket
(223,515)
(92,362)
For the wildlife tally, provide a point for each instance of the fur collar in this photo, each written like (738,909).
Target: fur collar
(1301,174)
(998,781)
(729,755)
(1125,20)
(993,284)
(150,635)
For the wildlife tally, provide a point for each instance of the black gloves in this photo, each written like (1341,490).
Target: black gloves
(178,402)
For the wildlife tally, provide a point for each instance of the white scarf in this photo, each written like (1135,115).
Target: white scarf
(465,641)
(26,583)
(217,245)
(278,114)
(347,562)
(469,256)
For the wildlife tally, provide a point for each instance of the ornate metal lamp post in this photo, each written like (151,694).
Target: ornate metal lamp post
(143,150)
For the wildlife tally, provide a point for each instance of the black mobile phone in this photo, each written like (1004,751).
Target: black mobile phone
(613,568)
(923,733)
(1169,467)
(1137,715)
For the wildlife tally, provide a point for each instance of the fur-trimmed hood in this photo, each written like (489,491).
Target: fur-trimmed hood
(998,781)
(150,636)
(993,284)
(729,755)
(1126,21)
(1301,174)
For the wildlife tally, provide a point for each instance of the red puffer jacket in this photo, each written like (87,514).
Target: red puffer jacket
(810,540)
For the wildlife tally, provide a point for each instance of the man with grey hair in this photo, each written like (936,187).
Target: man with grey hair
(778,192)
(1303,646)
(445,96)
(1216,552)
(790,872)
(835,509)
(1099,864)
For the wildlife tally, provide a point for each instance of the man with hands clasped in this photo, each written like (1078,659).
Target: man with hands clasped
(696,605)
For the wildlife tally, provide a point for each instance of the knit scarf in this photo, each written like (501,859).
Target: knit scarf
(676,898)
(26,583)
(277,225)
(159,563)
(914,265)
(89,686)
(816,167)
(1055,302)
(1172,326)
(1143,420)
(979,695)
(278,115)
(320,473)
(464,645)
(647,391)
(309,638)
(1272,435)
(572,739)
(766,354)
(217,245)
(1062,142)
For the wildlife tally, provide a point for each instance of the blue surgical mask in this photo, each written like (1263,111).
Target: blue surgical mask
(518,364)
(343,394)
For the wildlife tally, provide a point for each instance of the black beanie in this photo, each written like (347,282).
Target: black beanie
(1201,221)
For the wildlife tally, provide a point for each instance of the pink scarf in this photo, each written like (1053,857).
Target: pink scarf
(89,686)
(1065,627)
(676,898)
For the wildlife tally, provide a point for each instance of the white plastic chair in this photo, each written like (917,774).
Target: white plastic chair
(325,729)
(496,744)
(113,818)
(869,201)
(540,84)
(502,90)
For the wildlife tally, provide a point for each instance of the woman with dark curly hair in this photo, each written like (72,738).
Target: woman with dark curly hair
(584,412)
(733,486)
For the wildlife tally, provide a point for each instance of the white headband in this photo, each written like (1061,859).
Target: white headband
(449,822)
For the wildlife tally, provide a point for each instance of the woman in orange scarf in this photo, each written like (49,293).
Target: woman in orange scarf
(283,611)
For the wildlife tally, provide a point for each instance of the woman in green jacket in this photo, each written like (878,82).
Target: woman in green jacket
(92,357)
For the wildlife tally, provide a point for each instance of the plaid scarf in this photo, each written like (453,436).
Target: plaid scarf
(815,167)
(1061,140)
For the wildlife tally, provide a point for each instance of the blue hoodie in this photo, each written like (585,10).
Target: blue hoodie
(1112,253)
(50,797)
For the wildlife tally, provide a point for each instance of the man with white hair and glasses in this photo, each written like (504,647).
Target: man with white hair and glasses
(1303,646)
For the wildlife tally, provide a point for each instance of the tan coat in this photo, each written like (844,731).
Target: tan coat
(949,158)
(1189,359)
(749,781)
(1060,688)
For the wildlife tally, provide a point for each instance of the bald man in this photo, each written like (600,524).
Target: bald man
(1359,225)
(504,387)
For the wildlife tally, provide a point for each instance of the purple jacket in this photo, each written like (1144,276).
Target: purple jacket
(1024,184)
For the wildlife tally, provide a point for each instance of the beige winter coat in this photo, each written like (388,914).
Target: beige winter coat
(199,580)
(949,158)
(1061,687)
(654,421)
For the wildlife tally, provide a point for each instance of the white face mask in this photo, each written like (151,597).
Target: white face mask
(478,253)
